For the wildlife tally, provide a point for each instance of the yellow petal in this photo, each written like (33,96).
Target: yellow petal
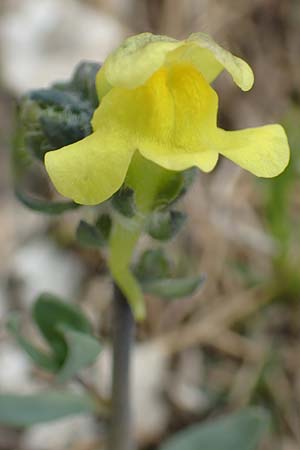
(171,118)
(205,160)
(201,58)
(184,124)
(264,151)
(240,71)
(102,84)
(92,169)
(134,61)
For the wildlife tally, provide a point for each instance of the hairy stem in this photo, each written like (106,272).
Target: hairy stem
(123,322)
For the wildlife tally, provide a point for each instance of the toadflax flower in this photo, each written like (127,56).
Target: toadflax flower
(156,99)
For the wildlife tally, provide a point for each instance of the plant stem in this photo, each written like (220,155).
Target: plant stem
(122,243)
(121,426)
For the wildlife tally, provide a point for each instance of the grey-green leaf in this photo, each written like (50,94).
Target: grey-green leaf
(172,288)
(89,235)
(104,225)
(50,314)
(44,206)
(39,357)
(26,410)
(124,202)
(241,431)
(164,225)
(152,265)
(83,350)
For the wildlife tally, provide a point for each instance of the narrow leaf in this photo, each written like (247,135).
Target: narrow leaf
(172,288)
(44,206)
(50,313)
(241,431)
(26,410)
(40,358)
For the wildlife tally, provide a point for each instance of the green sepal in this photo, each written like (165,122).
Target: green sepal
(26,410)
(164,225)
(173,288)
(89,235)
(124,202)
(158,187)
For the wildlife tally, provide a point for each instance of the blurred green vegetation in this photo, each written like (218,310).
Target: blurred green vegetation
(282,213)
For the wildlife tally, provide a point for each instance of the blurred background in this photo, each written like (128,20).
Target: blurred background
(239,337)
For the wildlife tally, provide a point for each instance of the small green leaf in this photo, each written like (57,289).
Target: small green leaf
(153,264)
(83,350)
(172,288)
(59,324)
(44,206)
(241,431)
(88,235)
(26,410)
(40,358)
(124,202)
(50,313)
(164,225)
(104,225)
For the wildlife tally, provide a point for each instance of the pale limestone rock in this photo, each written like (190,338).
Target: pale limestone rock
(42,41)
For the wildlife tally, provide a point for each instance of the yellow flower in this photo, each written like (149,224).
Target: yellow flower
(156,99)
